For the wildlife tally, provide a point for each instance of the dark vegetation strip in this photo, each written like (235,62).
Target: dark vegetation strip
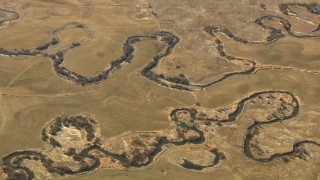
(251,130)
(179,82)
(12,164)
(311,8)
(16,16)
(190,165)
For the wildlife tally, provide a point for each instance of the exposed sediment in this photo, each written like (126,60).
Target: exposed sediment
(190,165)
(77,137)
(139,149)
(58,133)
(288,109)
(311,7)
(16,16)
(180,82)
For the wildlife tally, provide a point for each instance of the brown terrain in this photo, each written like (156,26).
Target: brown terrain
(159,89)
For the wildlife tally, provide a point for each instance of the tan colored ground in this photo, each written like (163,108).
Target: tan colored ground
(128,106)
